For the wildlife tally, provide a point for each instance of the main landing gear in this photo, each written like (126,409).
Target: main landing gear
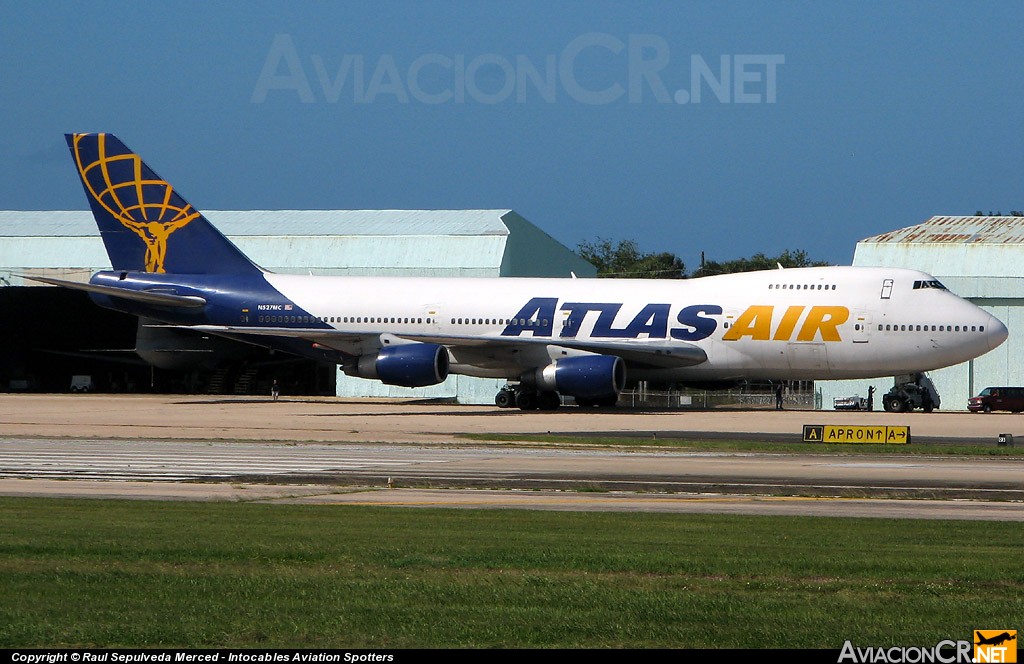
(513,396)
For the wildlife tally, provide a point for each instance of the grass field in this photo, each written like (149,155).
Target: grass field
(161,574)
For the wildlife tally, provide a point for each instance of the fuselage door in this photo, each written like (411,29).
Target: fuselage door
(886,289)
(432,318)
(861,327)
(728,319)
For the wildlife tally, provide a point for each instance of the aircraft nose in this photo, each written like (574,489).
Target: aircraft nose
(995,331)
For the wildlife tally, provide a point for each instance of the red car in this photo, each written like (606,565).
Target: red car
(997,398)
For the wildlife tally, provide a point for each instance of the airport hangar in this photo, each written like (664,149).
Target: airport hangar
(979,259)
(38,353)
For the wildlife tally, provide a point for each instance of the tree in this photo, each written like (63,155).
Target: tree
(759,261)
(625,261)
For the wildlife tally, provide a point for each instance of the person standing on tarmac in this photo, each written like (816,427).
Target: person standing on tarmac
(778,397)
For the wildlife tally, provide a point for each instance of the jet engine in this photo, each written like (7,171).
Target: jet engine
(588,376)
(407,365)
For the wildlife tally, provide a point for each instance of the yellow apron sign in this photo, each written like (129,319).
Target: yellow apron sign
(835,433)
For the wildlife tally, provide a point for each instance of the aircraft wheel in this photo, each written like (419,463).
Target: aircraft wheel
(548,401)
(526,400)
(894,404)
(505,399)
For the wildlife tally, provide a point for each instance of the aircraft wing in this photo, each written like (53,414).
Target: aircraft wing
(649,352)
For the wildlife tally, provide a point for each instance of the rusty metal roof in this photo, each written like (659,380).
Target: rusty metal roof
(957,230)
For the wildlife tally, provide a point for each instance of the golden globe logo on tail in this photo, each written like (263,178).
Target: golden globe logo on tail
(142,205)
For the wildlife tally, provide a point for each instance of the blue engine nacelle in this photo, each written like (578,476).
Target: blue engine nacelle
(588,376)
(407,365)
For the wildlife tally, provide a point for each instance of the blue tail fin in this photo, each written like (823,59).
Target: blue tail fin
(145,225)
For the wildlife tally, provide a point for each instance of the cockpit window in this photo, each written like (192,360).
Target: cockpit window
(933,283)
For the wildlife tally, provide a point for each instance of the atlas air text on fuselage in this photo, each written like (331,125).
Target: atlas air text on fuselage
(760,322)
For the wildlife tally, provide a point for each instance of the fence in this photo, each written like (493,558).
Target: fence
(793,399)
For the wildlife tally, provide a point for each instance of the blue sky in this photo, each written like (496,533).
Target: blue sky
(805,125)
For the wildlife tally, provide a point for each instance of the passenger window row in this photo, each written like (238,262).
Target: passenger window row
(344,319)
(801,287)
(544,323)
(497,321)
(928,328)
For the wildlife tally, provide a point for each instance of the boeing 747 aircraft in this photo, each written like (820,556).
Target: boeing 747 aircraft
(583,338)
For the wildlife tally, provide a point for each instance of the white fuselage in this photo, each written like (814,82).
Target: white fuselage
(805,323)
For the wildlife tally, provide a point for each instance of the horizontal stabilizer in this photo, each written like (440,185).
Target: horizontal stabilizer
(148,297)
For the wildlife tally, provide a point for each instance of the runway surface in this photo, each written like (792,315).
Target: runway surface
(223,449)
